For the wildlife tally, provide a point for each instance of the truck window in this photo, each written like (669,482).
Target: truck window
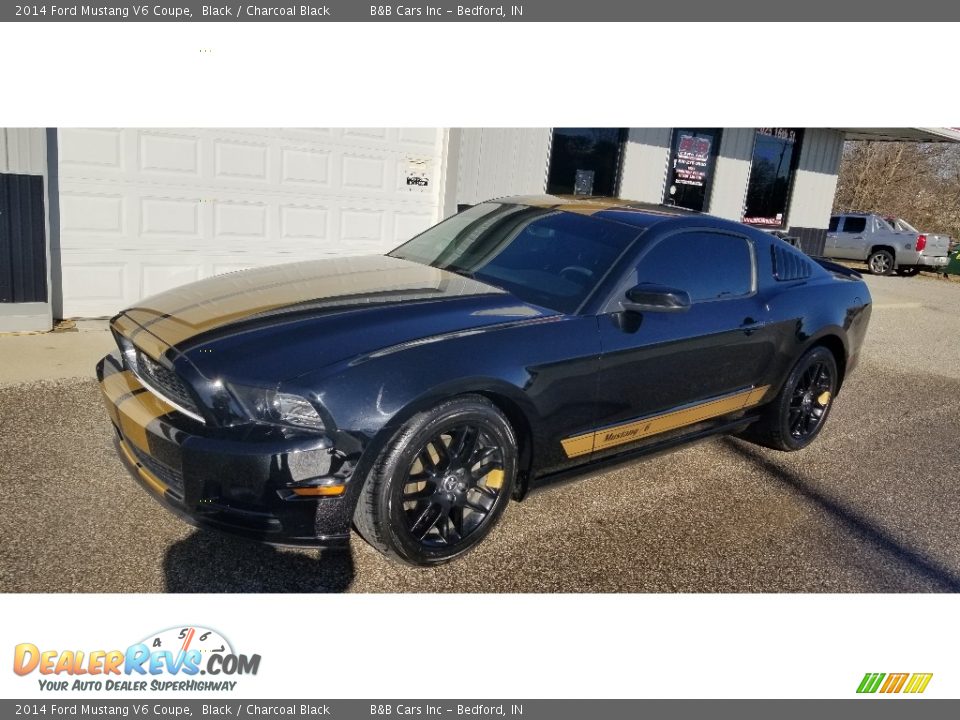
(834,223)
(854,224)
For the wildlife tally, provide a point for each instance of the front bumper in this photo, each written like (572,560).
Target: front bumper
(241,481)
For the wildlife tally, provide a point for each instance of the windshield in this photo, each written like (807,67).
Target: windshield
(543,256)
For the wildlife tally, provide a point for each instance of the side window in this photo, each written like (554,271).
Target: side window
(834,223)
(854,224)
(709,266)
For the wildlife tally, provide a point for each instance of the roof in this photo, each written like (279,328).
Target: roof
(630,212)
(925,135)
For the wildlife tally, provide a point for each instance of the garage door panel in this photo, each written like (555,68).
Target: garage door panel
(243,161)
(247,221)
(91,280)
(92,212)
(91,151)
(304,222)
(363,172)
(357,225)
(375,134)
(165,153)
(170,217)
(419,137)
(305,166)
(143,209)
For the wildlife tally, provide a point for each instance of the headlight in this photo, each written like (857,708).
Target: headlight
(273,406)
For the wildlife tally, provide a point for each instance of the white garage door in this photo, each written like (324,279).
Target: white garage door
(144,210)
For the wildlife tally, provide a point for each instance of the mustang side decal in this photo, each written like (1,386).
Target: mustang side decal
(656,424)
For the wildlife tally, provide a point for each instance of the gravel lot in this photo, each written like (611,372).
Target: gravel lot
(872,506)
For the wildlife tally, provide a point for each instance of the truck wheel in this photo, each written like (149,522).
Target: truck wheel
(908,271)
(881,262)
(441,484)
(797,415)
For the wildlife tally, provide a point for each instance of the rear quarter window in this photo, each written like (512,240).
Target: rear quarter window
(854,224)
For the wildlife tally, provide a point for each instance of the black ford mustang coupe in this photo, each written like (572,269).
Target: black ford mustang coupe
(412,395)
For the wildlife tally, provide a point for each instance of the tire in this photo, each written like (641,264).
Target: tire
(881,262)
(908,271)
(798,400)
(422,504)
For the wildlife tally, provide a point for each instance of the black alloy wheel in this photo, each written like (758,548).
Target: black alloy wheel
(810,400)
(795,417)
(452,486)
(441,484)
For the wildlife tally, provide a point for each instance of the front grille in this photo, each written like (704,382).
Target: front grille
(167,475)
(163,381)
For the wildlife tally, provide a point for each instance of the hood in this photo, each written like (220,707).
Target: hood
(278,322)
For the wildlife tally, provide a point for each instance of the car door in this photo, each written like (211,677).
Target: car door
(851,239)
(679,368)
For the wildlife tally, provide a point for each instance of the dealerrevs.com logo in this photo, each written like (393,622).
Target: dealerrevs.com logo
(178,659)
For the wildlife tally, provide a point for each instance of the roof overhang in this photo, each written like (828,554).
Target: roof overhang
(923,135)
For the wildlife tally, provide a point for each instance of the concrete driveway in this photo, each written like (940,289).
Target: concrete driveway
(872,506)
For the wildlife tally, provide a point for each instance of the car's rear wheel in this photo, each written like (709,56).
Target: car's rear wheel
(441,483)
(881,262)
(798,413)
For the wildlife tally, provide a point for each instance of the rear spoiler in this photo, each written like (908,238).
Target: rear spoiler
(837,268)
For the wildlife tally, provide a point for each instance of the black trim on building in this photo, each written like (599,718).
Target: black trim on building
(810,240)
(23,243)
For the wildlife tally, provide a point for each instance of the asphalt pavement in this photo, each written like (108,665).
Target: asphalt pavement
(873,505)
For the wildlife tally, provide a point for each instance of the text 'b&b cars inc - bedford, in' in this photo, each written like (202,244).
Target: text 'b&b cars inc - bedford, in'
(412,395)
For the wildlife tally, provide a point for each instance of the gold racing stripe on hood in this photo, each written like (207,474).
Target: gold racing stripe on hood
(153,346)
(638,429)
(181,314)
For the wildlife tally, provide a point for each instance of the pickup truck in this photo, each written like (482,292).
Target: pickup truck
(887,245)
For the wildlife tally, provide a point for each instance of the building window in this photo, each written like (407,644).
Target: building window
(775,155)
(585,161)
(692,155)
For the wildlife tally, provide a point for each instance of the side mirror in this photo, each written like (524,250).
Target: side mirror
(647,297)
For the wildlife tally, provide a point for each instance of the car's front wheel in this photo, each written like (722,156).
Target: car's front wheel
(881,262)
(797,415)
(441,484)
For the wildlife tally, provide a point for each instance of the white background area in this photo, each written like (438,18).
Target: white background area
(483,74)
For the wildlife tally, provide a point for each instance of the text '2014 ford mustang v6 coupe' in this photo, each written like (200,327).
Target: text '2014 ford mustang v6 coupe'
(412,395)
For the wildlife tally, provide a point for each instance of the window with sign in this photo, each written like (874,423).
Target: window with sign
(775,155)
(585,161)
(692,157)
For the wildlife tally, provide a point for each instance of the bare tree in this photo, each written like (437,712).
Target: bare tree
(919,182)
